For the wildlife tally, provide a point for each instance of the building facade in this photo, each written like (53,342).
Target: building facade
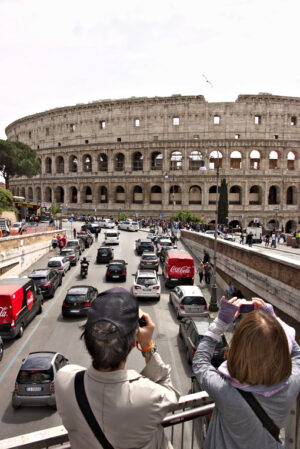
(160,155)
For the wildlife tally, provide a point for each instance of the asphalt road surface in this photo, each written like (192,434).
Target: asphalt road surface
(49,331)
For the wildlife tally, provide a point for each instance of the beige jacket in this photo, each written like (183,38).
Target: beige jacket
(128,406)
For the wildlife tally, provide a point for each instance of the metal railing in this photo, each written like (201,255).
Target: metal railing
(186,427)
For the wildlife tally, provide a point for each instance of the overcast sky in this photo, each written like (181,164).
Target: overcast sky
(62,52)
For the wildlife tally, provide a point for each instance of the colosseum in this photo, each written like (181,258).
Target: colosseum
(151,156)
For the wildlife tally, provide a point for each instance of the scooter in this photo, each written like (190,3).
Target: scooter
(84,269)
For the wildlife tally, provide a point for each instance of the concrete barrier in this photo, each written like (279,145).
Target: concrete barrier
(17,253)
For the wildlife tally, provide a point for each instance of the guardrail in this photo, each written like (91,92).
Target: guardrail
(188,423)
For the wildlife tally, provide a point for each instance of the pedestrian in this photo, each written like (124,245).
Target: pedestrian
(242,238)
(96,235)
(267,239)
(263,363)
(297,235)
(230,290)
(201,271)
(207,272)
(63,241)
(127,405)
(278,237)
(273,237)
(54,243)
(74,233)
(250,239)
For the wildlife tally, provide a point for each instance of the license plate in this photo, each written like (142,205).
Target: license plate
(33,389)
(74,311)
(115,277)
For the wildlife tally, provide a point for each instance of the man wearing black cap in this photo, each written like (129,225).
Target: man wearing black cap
(127,406)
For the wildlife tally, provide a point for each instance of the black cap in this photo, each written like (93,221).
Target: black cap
(117,306)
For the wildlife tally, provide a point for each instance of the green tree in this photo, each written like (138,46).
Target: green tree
(6,198)
(18,159)
(223,203)
(187,217)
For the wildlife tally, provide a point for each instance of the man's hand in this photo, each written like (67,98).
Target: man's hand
(144,336)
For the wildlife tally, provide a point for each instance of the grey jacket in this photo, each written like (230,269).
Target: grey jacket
(129,406)
(234,425)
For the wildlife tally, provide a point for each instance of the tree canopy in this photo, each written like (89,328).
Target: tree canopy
(17,159)
(6,198)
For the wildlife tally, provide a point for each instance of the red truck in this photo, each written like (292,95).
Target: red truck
(178,269)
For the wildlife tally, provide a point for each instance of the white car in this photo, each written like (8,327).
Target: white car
(111,238)
(164,243)
(188,300)
(62,264)
(106,223)
(128,225)
(146,284)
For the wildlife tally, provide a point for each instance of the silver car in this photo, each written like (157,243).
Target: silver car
(60,263)
(149,261)
(188,300)
(35,383)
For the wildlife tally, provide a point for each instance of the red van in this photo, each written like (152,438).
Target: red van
(178,269)
(20,301)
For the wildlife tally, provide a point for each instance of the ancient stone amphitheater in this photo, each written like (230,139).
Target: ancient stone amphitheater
(151,156)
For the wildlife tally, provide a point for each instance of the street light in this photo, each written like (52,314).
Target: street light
(213,306)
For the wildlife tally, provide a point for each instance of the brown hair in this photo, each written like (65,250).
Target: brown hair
(259,352)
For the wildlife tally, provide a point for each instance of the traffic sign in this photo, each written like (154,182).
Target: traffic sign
(71,219)
(176,226)
(160,215)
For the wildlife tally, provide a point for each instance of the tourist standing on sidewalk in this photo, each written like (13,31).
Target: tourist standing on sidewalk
(207,272)
(201,271)
(273,240)
(250,239)
(74,233)
(267,239)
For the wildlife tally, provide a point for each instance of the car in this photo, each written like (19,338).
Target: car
(71,254)
(192,330)
(128,225)
(142,245)
(77,244)
(164,243)
(146,284)
(106,223)
(228,237)
(149,260)
(1,349)
(187,299)
(111,237)
(92,227)
(47,280)
(78,300)
(35,382)
(60,263)
(116,270)
(104,254)
(86,237)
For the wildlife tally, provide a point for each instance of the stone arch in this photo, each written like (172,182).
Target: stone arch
(59,194)
(291,160)
(120,194)
(236,160)
(255,160)
(273,160)
(291,226)
(176,160)
(155,195)
(215,159)
(255,195)
(235,224)
(195,195)
(87,163)
(137,195)
(48,195)
(73,164)
(196,160)
(30,194)
(22,191)
(273,224)
(291,195)
(38,194)
(156,160)
(48,165)
(119,162)
(103,194)
(60,164)
(235,195)
(175,194)
(87,194)
(73,195)
(102,162)
(212,195)
(137,161)
(274,195)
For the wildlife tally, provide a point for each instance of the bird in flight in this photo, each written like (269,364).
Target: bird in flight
(207,80)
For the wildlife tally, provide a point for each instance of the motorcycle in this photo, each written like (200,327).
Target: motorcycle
(84,269)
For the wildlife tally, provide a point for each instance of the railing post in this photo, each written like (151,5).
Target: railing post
(292,429)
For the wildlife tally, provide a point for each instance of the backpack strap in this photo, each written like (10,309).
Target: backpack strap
(87,411)
(266,421)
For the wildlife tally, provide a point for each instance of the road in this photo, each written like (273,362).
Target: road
(49,331)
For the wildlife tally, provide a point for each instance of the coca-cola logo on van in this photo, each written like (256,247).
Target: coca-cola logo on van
(3,312)
(29,298)
(185,270)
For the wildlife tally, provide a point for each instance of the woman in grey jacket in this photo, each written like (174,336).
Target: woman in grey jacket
(264,359)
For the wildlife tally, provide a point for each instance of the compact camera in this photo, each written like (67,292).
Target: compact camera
(142,322)
(246,307)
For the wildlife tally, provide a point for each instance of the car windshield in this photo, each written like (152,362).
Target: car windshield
(146,281)
(54,263)
(74,298)
(199,300)
(149,257)
(32,376)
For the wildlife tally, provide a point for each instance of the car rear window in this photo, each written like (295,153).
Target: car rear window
(54,263)
(103,252)
(199,300)
(112,234)
(150,257)
(33,376)
(146,281)
(39,279)
(72,244)
(116,266)
(74,298)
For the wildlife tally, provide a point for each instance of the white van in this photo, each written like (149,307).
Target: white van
(111,238)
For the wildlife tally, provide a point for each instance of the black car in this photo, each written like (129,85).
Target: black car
(78,300)
(71,254)
(47,280)
(144,245)
(116,270)
(104,254)
(192,330)
(86,238)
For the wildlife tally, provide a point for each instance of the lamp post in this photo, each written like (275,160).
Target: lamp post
(276,210)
